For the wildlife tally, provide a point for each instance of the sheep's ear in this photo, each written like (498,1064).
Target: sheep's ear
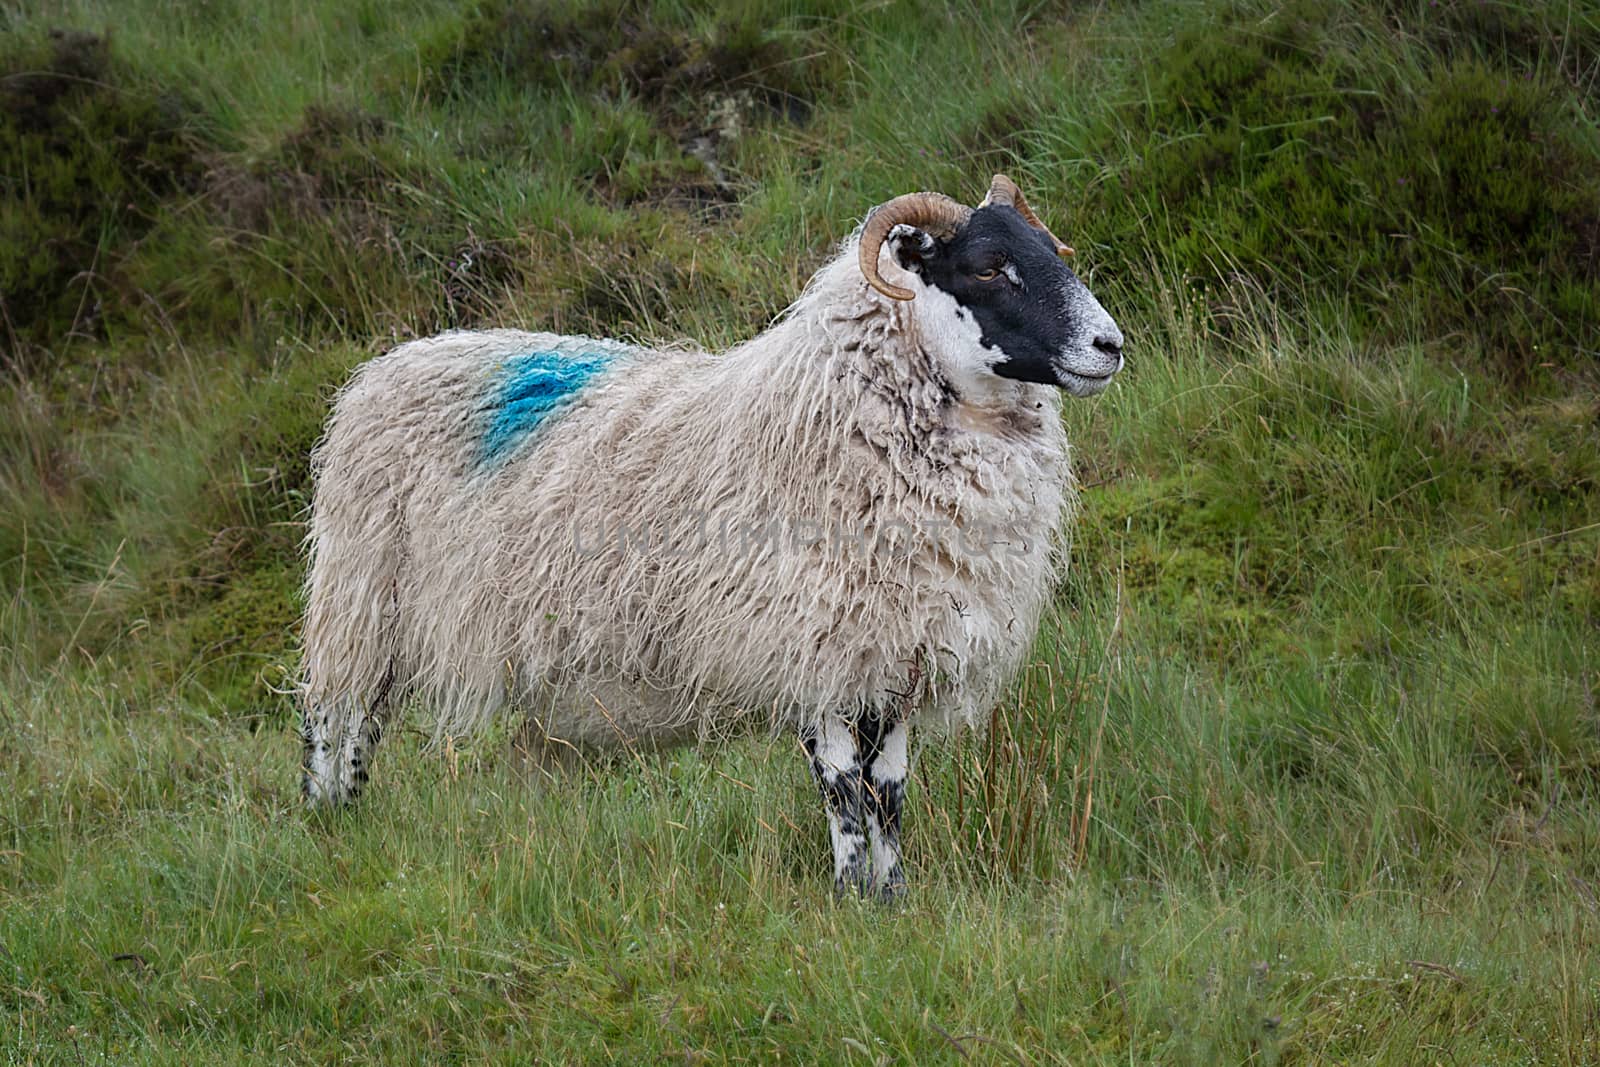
(911,247)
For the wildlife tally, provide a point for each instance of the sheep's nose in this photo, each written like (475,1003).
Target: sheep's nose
(1111,346)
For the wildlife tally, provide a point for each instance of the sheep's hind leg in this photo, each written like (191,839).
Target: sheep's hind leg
(886,762)
(339,745)
(836,763)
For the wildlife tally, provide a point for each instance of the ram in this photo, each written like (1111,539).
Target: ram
(847,526)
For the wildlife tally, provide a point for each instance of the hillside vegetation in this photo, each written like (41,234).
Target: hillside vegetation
(1306,764)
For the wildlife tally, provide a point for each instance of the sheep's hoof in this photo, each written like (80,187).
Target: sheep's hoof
(892,891)
(846,887)
(318,796)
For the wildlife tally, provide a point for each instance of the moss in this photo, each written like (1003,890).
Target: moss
(1202,561)
(1548,451)
(123,213)
(669,99)
(1460,199)
(92,151)
(335,157)
(620,47)
(1332,482)
(302,234)
(342,149)
(240,646)
(269,441)
(324,233)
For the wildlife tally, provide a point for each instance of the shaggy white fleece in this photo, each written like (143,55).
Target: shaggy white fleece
(814,522)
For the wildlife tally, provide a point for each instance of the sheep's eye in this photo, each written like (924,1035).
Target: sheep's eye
(988,274)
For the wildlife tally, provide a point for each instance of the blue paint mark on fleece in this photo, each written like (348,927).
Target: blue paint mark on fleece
(530,387)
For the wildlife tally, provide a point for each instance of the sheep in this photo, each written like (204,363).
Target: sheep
(847,525)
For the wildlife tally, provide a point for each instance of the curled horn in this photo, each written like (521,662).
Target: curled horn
(1004,191)
(928,211)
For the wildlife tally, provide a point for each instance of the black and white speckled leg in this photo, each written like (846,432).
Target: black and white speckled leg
(885,760)
(836,764)
(339,746)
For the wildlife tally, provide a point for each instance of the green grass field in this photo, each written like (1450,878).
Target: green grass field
(1306,764)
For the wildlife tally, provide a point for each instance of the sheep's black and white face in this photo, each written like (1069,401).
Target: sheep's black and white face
(996,300)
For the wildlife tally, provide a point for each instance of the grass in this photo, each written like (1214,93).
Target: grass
(1306,764)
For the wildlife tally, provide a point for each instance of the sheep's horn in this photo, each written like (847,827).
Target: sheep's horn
(1004,191)
(934,212)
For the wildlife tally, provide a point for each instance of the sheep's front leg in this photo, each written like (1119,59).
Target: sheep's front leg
(885,760)
(836,763)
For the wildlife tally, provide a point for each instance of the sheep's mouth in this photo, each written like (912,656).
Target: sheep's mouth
(1080,384)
